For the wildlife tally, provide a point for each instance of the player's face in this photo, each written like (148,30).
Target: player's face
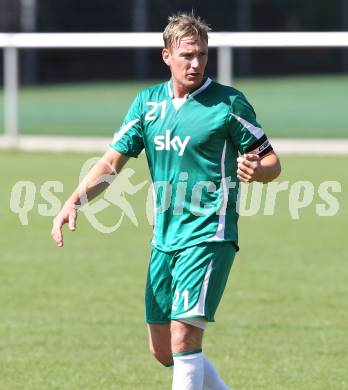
(187,59)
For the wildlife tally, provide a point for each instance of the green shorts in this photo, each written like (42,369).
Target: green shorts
(187,283)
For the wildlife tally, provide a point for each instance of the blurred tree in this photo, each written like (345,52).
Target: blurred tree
(344,17)
(28,13)
(9,15)
(151,15)
(244,23)
(140,23)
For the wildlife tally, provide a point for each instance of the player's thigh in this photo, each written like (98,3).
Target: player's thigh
(158,297)
(199,278)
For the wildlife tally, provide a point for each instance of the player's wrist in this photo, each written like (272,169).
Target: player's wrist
(72,204)
(266,174)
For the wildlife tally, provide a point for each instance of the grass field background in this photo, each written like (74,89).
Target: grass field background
(305,107)
(72,317)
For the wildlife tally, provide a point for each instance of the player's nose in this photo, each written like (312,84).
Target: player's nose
(195,63)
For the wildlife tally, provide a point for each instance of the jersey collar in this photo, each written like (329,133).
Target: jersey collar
(205,84)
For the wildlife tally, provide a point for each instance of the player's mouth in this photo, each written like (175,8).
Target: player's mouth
(194,75)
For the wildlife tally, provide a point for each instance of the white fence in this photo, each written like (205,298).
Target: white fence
(223,41)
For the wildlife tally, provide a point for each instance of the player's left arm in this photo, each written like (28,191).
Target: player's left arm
(252,167)
(257,161)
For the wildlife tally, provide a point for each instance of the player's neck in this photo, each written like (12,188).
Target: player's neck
(179,90)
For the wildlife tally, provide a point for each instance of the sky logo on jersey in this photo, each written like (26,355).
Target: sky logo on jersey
(164,142)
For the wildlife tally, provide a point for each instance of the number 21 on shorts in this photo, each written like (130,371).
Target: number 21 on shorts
(177,296)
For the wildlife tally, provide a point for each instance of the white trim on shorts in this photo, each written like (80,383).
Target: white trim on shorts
(198,322)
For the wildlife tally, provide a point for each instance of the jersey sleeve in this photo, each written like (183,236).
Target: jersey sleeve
(244,131)
(128,139)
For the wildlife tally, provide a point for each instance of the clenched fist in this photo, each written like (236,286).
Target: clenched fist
(249,168)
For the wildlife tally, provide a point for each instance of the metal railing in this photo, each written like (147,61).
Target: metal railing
(225,42)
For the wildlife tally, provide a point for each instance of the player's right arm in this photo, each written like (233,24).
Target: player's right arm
(95,182)
(127,142)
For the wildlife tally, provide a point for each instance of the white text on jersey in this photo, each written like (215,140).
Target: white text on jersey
(153,113)
(164,142)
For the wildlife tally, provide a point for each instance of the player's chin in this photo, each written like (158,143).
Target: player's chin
(194,81)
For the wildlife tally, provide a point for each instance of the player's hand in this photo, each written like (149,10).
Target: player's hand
(249,168)
(68,214)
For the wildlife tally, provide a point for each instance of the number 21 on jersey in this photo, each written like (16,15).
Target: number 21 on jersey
(157,109)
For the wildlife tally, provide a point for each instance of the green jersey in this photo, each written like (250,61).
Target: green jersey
(192,147)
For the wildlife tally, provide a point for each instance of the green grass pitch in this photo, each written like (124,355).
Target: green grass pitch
(72,318)
(307,106)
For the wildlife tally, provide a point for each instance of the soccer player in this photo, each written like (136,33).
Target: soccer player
(200,138)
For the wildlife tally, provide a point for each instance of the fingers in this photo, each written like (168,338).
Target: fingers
(249,160)
(57,231)
(66,215)
(247,167)
(252,157)
(243,177)
(72,219)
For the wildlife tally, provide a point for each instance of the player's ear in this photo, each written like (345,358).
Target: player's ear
(166,56)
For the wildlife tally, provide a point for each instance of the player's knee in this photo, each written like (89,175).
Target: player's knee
(162,355)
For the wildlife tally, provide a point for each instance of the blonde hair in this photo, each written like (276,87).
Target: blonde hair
(184,25)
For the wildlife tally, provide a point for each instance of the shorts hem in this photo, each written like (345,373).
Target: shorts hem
(176,318)
(164,322)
